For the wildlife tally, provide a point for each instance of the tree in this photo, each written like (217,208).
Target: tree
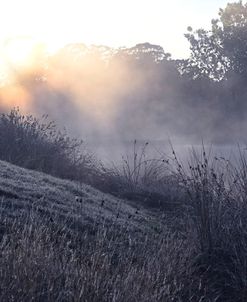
(233,34)
(207,59)
(220,52)
(144,52)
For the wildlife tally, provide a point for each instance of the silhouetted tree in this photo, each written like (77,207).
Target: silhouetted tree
(221,52)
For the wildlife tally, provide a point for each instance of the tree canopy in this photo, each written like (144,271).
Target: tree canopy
(221,52)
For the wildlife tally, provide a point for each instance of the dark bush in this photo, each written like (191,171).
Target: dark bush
(38,144)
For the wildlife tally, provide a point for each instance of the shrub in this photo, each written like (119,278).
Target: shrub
(38,144)
(217,195)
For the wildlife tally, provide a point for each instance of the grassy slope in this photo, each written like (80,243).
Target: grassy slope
(22,189)
(54,248)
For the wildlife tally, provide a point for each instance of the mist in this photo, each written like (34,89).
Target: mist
(110,97)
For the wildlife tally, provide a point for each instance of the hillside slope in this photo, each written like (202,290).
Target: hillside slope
(65,241)
(22,189)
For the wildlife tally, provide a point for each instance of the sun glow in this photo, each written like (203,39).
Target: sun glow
(110,22)
(114,23)
(18,51)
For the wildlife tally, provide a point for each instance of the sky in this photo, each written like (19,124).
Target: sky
(113,23)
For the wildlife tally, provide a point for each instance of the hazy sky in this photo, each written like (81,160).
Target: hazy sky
(110,22)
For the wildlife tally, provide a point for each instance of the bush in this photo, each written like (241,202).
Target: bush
(38,144)
(217,195)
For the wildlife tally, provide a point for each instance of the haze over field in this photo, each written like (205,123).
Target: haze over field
(138,91)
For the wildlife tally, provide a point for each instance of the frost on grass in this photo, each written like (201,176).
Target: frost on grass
(21,189)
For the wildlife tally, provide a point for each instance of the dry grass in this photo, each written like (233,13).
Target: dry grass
(42,261)
(54,247)
(216,195)
(201,256)
(143,179)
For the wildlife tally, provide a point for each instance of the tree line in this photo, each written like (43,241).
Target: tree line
(202,96)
